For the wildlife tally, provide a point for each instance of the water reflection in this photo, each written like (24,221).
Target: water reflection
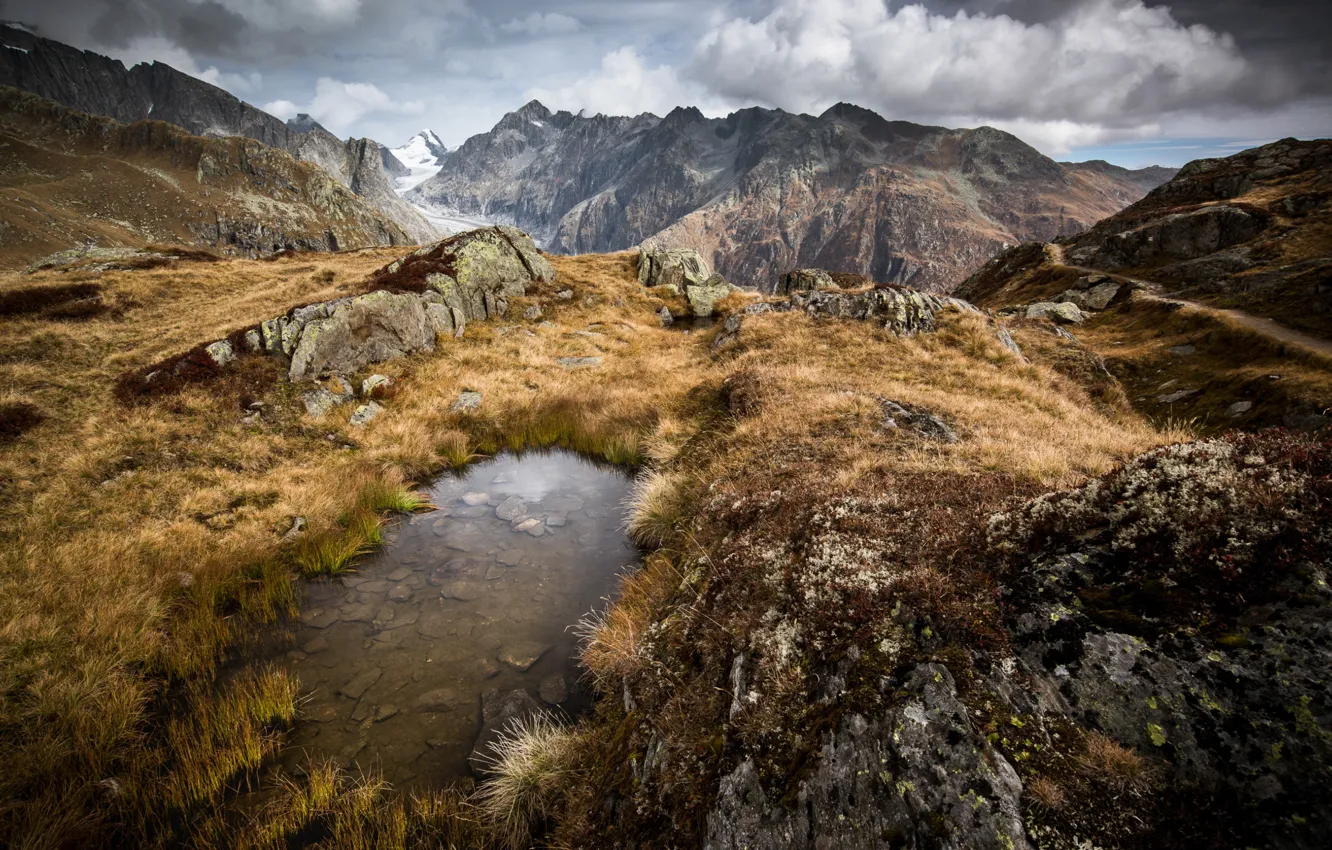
(464,615)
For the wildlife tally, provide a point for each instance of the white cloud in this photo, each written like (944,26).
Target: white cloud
(1100,71)
(626,85)
(339,105)
(543,23)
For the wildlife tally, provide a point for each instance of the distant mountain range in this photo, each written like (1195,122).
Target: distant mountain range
(96,84)
(759,192)
(763,191)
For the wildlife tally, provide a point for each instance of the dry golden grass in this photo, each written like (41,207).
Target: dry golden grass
(146,540)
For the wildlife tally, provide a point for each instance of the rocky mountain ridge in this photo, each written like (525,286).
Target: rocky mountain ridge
(761,191)
(70,178)
(99,85)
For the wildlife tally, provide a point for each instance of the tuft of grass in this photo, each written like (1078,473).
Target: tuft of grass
(455,450)
(1046,793)
(1115,765)
(332,553)
(393,498)
(531,766)
(656,505)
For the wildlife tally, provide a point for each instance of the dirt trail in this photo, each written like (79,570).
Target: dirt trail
(1266,327)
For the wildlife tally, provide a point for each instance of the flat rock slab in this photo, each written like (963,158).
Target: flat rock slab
(466,401)
(320,618)
(521,656)
(400,593)
(510,557)
(399,574)
(362,682)
(563,504)
(511,508)
(438,700)
(319,644)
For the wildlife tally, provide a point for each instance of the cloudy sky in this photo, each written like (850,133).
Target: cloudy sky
(1133,81)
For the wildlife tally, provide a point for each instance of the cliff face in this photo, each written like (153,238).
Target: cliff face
(69,178)
(90,82)
(763,191)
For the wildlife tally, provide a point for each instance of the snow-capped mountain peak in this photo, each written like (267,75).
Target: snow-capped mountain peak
(423,153)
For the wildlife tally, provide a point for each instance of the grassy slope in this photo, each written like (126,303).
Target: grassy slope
(144,540)
(1229,363)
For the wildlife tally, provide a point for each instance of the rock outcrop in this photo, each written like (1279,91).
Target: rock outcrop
(763,191)
(803,280)
(678,268)
(414,301)
(473,273)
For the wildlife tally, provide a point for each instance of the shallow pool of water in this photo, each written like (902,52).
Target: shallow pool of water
(466,606)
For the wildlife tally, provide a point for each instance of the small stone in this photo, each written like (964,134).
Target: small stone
(556,520)
(1239,408)
(532,313)
(466,401)
(321,401)
(510,557)
(553,690)
(253,342)
(487,669)
(494,572)
(521,656)
(666,318)
(401,593)
(526,524)
(578,362)
(1183,350)
(319,644)
(399,574)
(564,294)
(384,712)
(365,414)
(361,683)
(474,499)
(1063,312)
(511,509)
(370,384)
(1177,396)
(220,352)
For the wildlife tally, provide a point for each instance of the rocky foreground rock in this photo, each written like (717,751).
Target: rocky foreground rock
(429,294)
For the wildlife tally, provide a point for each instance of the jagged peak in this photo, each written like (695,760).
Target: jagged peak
(533,109)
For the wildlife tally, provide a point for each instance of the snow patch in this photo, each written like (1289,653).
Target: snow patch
(19,49)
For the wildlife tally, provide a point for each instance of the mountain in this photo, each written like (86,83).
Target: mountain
(1250,231)
(763,191)
(96,84)
(70,178)
(421,155)
(359,164)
